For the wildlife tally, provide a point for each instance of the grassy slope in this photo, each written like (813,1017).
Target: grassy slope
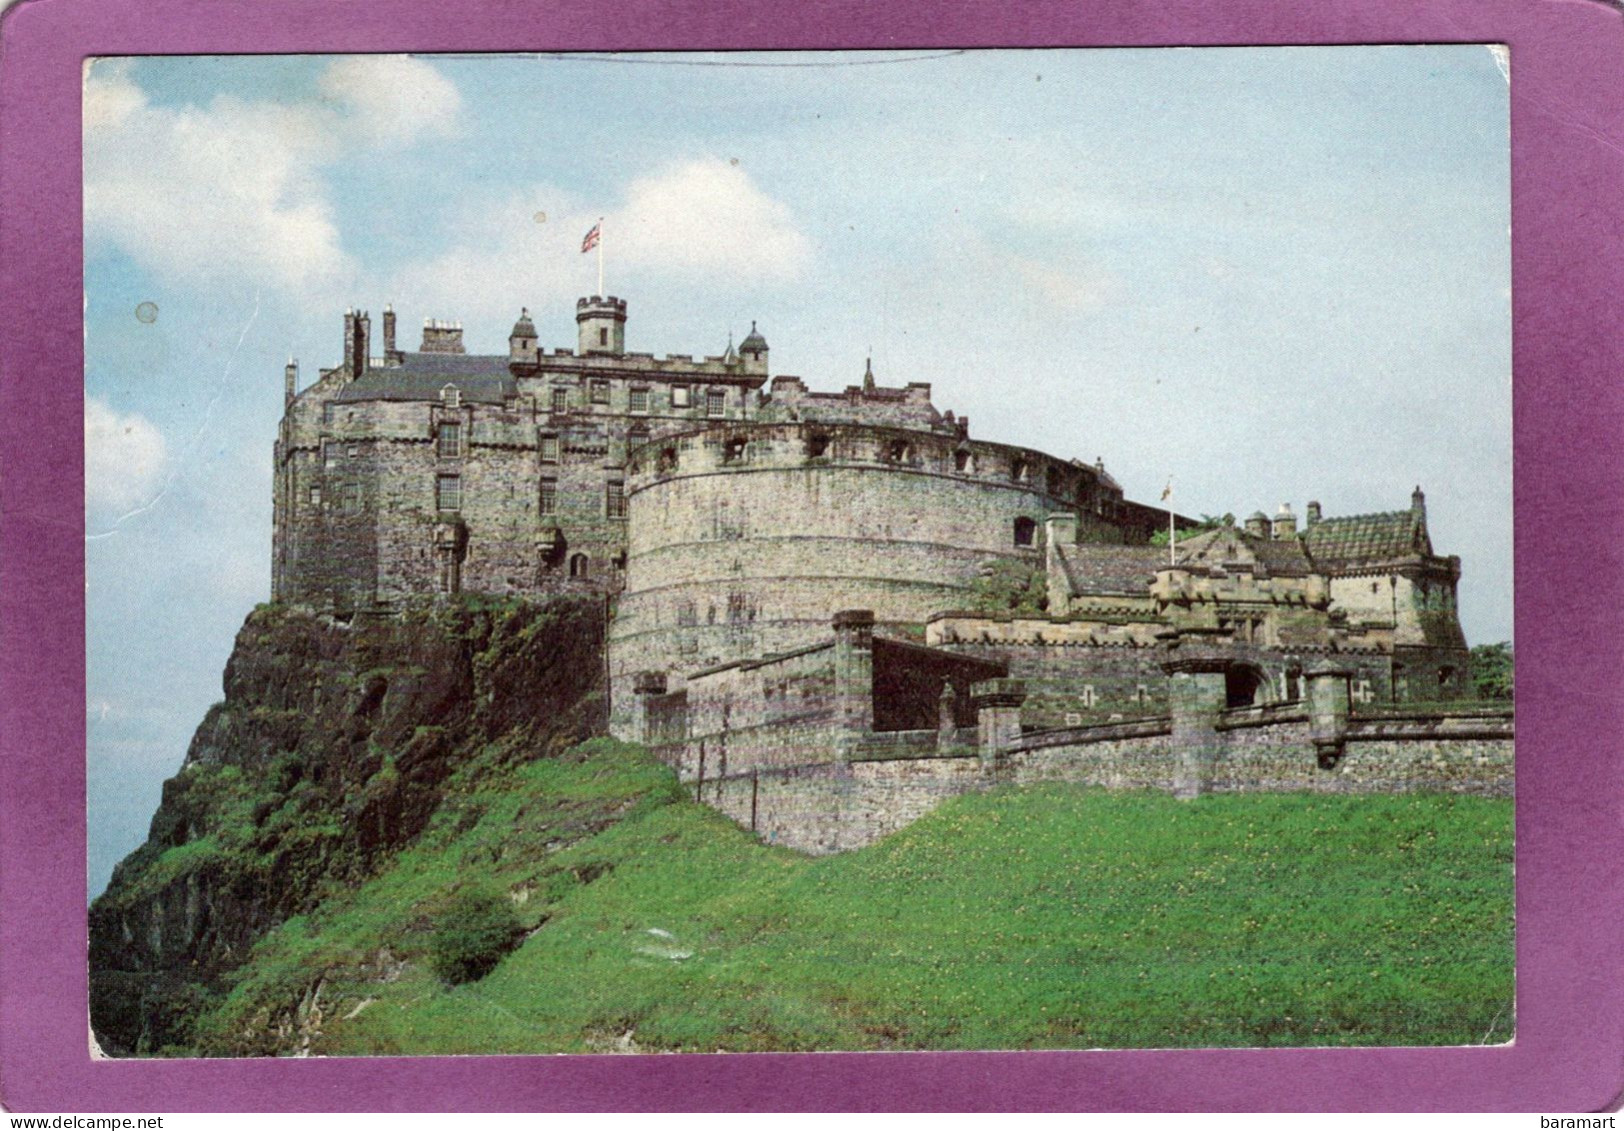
(1040,917)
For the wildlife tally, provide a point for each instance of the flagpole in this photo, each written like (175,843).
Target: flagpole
(601,291)
(1172,531)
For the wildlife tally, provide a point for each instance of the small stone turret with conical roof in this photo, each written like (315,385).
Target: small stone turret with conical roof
(522,341)
(753,351)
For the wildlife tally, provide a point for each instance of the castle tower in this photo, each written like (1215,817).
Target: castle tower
(602,325)
(753,350)
(522,341)
(441,337)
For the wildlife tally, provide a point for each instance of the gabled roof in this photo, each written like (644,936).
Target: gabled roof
(1220,547)
(421,376)
(1356,538)
(1111,569)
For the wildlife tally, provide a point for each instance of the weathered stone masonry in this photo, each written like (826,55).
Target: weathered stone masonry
(803,586)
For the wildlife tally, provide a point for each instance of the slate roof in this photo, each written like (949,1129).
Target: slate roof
(1112,569)
(1367,538)
(1284,557)
(421,376)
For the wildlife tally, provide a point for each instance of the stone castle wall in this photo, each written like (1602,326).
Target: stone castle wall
(744,539)
(824,807)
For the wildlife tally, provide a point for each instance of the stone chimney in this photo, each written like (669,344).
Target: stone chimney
(389,331)
(290,383)
(1313,517)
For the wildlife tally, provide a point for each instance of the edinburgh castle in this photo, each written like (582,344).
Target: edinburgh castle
(830,610)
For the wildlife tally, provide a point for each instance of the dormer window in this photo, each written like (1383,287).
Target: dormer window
(451,396)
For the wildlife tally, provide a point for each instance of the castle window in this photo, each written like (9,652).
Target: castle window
(667,462)
(898,451)
(603,335)
(614,499)
(549,496)
(580,565)
(963,461)
(733,450)
(549,448)
(1019,472)
(1025,531)
(638,401)
(561,400)
(352,498)
(315,496)
(448,492)
(817,445)
(451,396)
(681,396)
(1088,697)
(352,451)
(1445,675)
(1052,481)
(450,441)
(715,402)
(600,392)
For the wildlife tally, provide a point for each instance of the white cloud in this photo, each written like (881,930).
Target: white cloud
(392,98)
(234,190)
(708,216)
(697,221)
(125,457)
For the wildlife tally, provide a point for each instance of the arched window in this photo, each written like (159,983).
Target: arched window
(963,460)
(580,565)
(1019,471)
(1025,531)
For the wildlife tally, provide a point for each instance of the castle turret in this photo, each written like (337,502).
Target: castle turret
(754,351)
(602,325)
(290,382)
(1257,523)
(1418,503)
(1285,523)
(522,341)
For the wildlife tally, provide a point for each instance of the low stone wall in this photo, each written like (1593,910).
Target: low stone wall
(822,806)
(835,807)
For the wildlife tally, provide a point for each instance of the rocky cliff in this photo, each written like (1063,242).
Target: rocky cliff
(333,747)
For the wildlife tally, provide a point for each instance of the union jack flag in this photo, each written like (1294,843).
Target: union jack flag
(591,240)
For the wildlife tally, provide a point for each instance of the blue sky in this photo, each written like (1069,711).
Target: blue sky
(1271,274)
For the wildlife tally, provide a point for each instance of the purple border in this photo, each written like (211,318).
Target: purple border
(1568,270)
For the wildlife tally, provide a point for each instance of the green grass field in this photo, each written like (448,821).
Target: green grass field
(1037,917)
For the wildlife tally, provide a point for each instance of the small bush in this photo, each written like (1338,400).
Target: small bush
(472,935)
